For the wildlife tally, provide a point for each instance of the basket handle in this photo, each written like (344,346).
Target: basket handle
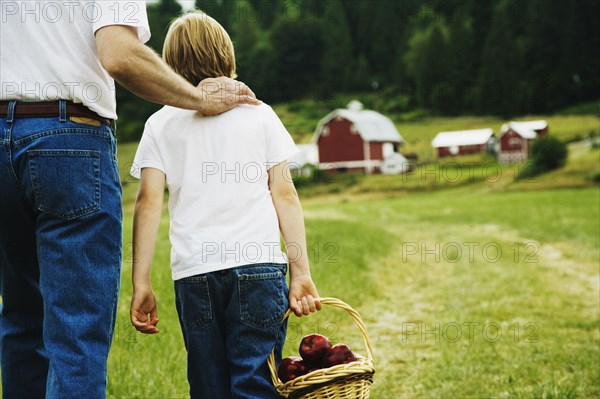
(336,303)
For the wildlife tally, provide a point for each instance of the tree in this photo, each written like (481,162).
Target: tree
(160,16)
(579,63)
(245,32)
(224,11)
(264,11)
(426,60)
(499,87)
(384,38)
(461,67)
(547,80)
(353,11)
(337,47)
(133,111)
(297,49)
(253,52)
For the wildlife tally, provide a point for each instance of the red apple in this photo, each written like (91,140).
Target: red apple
(313,348)
(338,354)
(290,368)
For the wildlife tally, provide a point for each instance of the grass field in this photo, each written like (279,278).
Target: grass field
(475,289)
(471,284)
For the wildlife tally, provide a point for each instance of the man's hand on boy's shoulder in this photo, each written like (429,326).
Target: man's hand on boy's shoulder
(222,94)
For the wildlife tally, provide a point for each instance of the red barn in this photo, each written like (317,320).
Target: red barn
(516,138)
(463,142)
(355,139)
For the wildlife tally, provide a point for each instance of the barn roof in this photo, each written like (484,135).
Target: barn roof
(370,125)
(527,130)
(462,137)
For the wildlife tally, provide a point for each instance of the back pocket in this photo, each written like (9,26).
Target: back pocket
(66,183)
(263,299)
(193,301)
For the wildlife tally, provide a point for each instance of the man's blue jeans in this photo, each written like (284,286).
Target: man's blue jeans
(231,320)
(60,256)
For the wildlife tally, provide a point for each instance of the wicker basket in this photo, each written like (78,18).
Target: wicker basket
(342,381)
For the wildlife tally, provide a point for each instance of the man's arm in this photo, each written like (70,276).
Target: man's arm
(303,297)
(146,220)
(140,70)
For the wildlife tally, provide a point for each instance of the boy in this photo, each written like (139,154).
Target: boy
(230,195)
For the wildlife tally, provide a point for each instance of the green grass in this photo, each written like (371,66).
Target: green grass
(401,258)
(543,288)
(475,172)
(125,153)
(589,108)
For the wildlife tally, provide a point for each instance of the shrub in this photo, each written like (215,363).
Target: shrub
(311,176)
(547,153)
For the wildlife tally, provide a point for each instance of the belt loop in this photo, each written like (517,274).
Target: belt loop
(62,110)
(10,115)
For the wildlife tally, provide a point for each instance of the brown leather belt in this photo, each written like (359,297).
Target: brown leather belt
(49,109)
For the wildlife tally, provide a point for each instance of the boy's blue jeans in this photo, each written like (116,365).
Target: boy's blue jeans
(231,320)
(60,256)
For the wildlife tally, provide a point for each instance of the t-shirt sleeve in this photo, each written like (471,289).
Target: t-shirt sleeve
(147,155)
(280,145)
(120,12)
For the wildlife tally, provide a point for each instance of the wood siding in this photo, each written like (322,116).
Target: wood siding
(340,144)
(463,149)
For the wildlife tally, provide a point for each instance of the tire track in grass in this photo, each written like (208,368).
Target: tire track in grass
(444,292)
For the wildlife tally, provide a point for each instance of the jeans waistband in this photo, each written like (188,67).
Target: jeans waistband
(60,108)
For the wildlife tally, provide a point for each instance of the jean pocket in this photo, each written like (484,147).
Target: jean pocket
(193,300)
(263,300)
(66,183)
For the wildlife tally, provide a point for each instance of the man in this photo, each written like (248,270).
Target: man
(60,194)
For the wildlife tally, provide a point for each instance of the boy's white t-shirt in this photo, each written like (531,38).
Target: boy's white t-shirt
(221,211)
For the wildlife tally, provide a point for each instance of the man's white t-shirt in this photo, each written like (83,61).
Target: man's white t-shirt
(222,214)
(48,50)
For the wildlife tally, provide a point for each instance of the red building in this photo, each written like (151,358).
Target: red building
(463,142)
(356,139)
(516,138)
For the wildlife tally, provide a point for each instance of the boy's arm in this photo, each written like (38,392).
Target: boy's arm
(146,219)
(304,298)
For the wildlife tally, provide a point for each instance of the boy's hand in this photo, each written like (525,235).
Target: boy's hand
(221,94)
(304,298)
(143,304)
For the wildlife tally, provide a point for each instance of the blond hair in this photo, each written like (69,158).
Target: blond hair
(198,47)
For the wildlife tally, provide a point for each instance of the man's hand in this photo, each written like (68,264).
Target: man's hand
(143,311)
(304,298)
(222,94)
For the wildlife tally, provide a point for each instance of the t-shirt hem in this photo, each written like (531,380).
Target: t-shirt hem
(276,160)
(143,34)
(136,169)
(205,269)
